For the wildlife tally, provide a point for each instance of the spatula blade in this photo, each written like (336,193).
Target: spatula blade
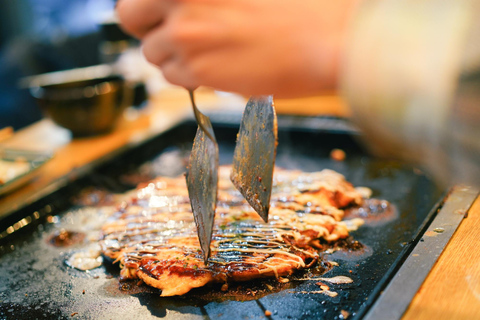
(202,181)
(254,155)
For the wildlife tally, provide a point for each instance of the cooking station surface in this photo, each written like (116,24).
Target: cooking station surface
(36,282)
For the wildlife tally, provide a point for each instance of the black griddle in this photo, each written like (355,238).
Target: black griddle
(35,282)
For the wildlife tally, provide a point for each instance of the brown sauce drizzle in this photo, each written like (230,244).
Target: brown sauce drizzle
(235,239)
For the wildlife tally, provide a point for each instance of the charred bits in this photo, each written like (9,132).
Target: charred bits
(65,238)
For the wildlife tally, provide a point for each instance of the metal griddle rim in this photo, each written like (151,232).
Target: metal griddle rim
(394,297)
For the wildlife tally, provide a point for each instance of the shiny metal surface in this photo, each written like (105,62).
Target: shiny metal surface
(202,178)
(396,298)
(254,155)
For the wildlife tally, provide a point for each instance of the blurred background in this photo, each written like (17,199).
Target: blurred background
(38,37)
(51,35)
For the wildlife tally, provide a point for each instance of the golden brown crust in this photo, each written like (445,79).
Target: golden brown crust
(173,277)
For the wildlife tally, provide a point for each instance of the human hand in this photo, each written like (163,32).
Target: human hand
(281,47)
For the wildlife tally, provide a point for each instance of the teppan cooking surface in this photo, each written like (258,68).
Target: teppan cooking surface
(35,282)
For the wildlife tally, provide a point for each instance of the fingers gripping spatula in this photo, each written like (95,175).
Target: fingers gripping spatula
(254,155)
(202,178)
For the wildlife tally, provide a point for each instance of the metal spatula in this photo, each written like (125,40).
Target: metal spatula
(202,178)
(254,155)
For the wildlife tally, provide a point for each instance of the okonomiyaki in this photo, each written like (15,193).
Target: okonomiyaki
(153,235)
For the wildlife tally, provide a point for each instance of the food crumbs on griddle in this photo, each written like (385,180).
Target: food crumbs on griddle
(109,276)
(66,238)
(74,314)
(125,287)
(344,314)
(283,280)
(224,287)
(439,230)
(140,282)
(268,313)
(83,292)
(251,292)
(338,155)
(96,277)
(322,286)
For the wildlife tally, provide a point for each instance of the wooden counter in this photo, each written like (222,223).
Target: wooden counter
(452,289)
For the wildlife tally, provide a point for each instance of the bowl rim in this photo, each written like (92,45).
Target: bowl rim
(69,76)
(53,93)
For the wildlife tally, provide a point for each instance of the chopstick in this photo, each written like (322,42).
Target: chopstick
(6,133)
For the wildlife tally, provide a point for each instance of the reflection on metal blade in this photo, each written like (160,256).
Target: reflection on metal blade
(254,156)
(202,179)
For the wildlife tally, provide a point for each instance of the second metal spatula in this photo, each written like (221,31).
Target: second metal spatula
(254,155)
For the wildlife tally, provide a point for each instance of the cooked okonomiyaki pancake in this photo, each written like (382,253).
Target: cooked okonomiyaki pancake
(153,234)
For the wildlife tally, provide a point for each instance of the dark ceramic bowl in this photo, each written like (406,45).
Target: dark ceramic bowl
(87,101)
